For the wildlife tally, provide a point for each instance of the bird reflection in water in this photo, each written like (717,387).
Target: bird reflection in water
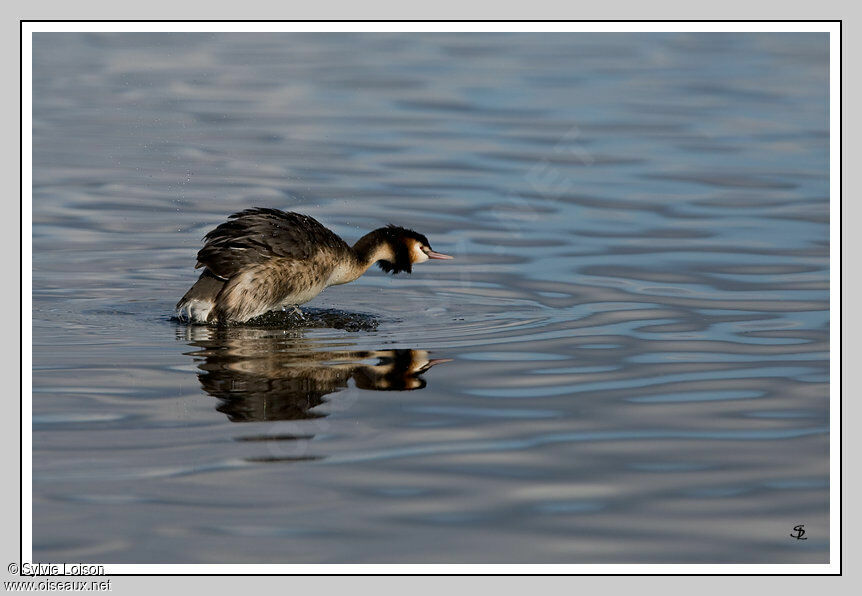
(261,374)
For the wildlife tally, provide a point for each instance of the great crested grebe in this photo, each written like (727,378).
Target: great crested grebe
(263,259)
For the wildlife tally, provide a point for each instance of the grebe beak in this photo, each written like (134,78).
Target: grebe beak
(437,255)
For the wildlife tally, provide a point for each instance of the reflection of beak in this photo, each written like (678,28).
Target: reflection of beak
(437,255)
(434,361)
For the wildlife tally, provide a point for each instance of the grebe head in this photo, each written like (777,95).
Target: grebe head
(408,247)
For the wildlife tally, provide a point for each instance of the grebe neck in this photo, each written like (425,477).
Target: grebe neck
(368,250)
(372,247)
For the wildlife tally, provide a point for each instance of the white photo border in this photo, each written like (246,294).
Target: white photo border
(832,27)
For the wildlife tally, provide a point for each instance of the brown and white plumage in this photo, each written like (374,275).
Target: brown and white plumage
(263,259)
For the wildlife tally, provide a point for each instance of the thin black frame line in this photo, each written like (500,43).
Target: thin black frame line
(21,285)
(432,21)
(840,282)
(840,22)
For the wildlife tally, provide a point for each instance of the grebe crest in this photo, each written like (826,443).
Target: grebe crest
(408,247)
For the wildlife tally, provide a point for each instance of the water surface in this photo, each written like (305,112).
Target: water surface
(626,363)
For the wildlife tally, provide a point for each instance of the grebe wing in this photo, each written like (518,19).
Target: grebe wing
(255,236)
